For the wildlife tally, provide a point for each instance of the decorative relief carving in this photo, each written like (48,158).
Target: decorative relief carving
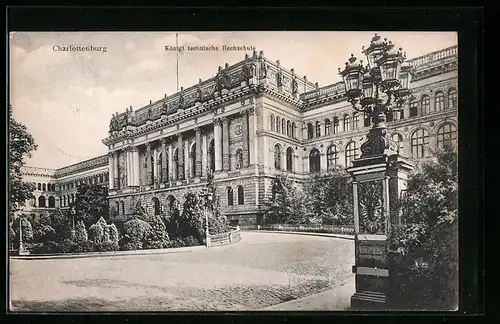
(370,206)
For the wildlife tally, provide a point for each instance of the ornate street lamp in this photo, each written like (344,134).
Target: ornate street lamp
(376,89)
(380,173)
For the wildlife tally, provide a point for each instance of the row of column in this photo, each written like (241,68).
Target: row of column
(221,155)
(221,140)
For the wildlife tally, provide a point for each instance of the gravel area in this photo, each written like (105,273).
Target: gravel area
(263,269)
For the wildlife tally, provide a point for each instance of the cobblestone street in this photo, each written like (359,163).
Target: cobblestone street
(263,269)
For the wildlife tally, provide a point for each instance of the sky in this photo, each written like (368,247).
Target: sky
(66,99)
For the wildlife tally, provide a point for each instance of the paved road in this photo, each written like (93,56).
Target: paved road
(263,269)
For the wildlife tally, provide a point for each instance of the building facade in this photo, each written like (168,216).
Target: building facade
(251,121)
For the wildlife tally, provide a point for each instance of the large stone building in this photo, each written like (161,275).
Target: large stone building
(253,120)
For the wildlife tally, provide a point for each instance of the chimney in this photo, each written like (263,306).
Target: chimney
(293,71)
(220,68)
(317,85)
(199,80)
(165,96)
(305,78)
(182,89)
(278,63)
(150,101)
(226,66)
(254,54)
(261,54)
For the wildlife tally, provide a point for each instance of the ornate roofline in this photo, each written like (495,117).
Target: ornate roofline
(82,166)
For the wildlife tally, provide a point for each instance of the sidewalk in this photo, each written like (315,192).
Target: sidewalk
(341,236)
(336,299)
(107,254)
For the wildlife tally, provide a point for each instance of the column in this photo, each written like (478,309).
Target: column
(225,144)
(187,166)
(244,126)
(205,155)
(111,171)
(252,136)
(218,144)
(137,165)
(180,156)
(147,161)
(155,166)
(170,163)
(130,177)
(198,153)
(116,171)
(164,155)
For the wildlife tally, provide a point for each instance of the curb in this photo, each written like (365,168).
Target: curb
(108,254)
(340,236)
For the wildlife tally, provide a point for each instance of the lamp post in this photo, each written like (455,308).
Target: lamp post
(21,247)
(380,173)
(73,213)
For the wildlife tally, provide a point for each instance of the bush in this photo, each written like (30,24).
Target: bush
(191,241)
(429,234)
(135,233)
(96,233)
(157,237)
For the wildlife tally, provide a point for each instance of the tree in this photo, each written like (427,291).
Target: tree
(329,197)
(429,233)
(91,203)
(192,221)
(285,203)
(113,234)
(43,230)
(21,144)
(217,222)
(96,233)
(81,235)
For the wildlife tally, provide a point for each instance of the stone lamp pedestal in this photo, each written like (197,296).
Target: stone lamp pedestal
(377,185)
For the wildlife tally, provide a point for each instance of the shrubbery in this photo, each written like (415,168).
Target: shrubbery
(135,233)
(426,250)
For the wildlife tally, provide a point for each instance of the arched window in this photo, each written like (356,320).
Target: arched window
(347,123)
(72,198)
(288,128)
(283,127)
(398,139)
(310,131)
(241,196)
(229,196)
(123,207)
(314,161)
(106,177)
(413,108)
(101,178)
(52,202)
(425,105)
(152,168)
(60,202)
(318,129)
(355,120)
(64,201)
(271,123)
(351,153)
(48,187)
(118,207)
(175,170)
(328,126)
(294,130)
(41,201)
(193,161)
(277,157)
(289,159)
(277,124)
(239,159)
(446,133)
(332,157)
(452,98)
(156,206)
(366,120)
(439,101)
(170,202)
(211,155)
(419,142)
(335,125)
(44,187)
